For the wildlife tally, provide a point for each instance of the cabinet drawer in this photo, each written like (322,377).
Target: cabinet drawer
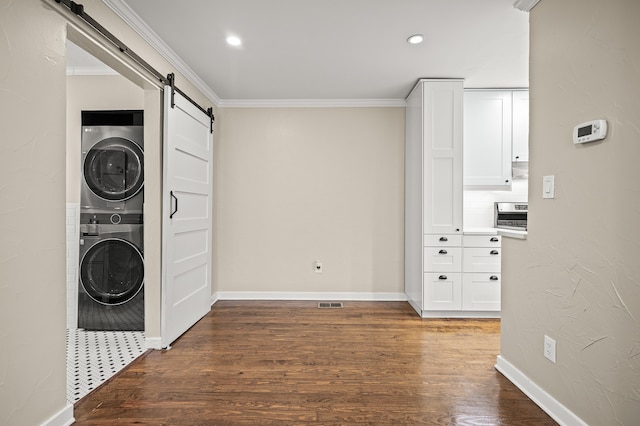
(481,292)
(482,259)
(442,259)
(440,240)
(442,292)
(482,241)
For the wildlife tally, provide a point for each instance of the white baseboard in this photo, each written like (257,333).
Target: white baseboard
(284,295)
(153,342)
(63,417)
(460,314)
(214,298)
(549,404)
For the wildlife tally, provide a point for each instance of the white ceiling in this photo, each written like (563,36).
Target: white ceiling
(340,49)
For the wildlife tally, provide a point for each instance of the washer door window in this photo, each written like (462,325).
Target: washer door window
(113,169)
(112,271)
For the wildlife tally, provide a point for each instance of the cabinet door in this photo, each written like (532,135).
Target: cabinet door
(481,292)
(442,291)
(481,259)
(442,259)
(487,138)
(442,140)
(482,241)
(520,125)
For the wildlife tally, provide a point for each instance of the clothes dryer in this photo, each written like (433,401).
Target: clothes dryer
(111,272)
(112,161)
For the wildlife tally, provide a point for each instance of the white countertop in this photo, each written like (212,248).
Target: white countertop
(512,233)
(480,231)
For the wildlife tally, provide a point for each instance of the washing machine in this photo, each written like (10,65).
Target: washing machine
(111,272)
(112,161)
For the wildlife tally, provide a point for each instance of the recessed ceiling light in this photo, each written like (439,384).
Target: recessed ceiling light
(416,39)
(234,41)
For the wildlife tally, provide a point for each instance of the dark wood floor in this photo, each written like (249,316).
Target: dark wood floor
(261,363)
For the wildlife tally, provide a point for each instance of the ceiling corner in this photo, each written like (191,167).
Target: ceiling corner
(525,5)
(120,8)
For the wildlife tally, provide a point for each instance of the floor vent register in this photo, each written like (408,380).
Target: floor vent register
(330,305)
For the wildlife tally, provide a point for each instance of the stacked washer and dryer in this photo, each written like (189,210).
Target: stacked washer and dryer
(111,270)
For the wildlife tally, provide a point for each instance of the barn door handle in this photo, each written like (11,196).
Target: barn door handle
(176,210)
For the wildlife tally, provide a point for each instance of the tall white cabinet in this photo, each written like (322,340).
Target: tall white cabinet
(448,272)
(433,195)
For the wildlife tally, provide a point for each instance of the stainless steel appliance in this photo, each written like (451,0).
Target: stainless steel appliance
(111,290)
(112,161)
(511,215)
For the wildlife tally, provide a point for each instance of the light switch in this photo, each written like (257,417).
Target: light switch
(549,186)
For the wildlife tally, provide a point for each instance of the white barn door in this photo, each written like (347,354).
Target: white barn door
(187,221)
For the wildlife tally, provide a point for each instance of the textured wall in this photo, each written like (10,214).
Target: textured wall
(577,276)
(32,213)
(300,184)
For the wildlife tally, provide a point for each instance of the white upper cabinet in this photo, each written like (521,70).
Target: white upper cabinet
(487,137)
(520,151)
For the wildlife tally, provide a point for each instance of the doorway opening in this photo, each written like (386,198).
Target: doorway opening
(105,233)
(170,115)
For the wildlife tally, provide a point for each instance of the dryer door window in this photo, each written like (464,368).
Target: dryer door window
(113,169)
(112,271)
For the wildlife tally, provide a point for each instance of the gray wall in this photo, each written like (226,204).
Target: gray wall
(577,276)
(32,214)
(295,185)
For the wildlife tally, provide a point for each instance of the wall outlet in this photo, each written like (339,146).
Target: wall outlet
(549,348)
(317,266)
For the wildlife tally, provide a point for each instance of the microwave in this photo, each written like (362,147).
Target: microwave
(511,215)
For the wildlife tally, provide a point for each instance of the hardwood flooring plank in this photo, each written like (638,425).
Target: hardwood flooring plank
(261,363)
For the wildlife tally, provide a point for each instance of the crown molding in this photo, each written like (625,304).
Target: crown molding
(139,26)
(312,103)
(120,8)
(525,5)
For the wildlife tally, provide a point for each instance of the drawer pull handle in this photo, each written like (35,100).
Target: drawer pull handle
(494,239)
(442,277)
(494,252)
(444,239)
(493,278)
(442,252)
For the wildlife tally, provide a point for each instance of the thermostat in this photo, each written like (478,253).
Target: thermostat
(590,131)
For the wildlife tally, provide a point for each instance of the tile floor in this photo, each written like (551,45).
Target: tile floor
(95,356)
